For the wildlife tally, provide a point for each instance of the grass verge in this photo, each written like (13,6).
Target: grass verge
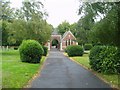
(111,79)
(16,74)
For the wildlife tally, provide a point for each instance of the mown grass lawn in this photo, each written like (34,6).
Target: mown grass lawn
(112,79)
(16,74)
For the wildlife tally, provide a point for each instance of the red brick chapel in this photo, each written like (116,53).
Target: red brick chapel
(63,40)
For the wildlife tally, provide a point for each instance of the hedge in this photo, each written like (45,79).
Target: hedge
(105,59)
(88,46)
(74,50)
(45,50)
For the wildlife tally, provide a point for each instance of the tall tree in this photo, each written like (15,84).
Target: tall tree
(29,24)
(107,29)
(6,17)
(33,9)
(63,27)
(6,11)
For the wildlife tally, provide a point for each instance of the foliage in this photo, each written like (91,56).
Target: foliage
(74,50)
(25,23)
(104,59)
(6,11)
(104,30)
(30,51)
(63,27)
(94,57)
(4,32)
(87,46)
(82,36)
(32,9)
(111,60)
(78,29)
(45,50)
(54,42)
(107,33)
(17,32)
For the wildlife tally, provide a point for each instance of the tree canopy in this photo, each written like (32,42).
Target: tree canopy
(27,23)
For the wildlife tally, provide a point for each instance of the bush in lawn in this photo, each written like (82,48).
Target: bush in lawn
(16,48)
(67,48)
(87,46)
(30,51)
(45,50)
(74,50)
(95,59)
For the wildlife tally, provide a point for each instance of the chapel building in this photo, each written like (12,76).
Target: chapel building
(62,41)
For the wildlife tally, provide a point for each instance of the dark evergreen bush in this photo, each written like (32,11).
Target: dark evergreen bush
(16,48)
(111,60)
(104,59)
(30,51)
(95,59)
(87,46)
(74,50)
(45,50)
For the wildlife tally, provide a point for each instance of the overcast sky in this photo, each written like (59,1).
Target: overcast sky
(58,10)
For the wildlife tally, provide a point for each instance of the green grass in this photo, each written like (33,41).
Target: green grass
(84,60)
(112,79)
(16,74)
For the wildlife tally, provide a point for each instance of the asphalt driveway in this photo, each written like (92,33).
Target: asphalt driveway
(60,72)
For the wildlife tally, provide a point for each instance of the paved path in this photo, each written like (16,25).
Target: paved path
(60,72)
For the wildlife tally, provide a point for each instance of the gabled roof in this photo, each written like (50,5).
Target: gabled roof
(65,34)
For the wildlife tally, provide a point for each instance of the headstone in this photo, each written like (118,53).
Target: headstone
(7,48)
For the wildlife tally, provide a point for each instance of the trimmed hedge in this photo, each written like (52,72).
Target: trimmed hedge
(31,51)
(88,46)
(45,50)
(74,50)
(105,59)
(111,60)
(95,59)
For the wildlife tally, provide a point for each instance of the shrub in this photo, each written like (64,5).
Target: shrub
(16,48)
(45,50)
(111,60)
(30,51)
(67,48)
(104,59)
(95,60)
(87,46)
(74,50)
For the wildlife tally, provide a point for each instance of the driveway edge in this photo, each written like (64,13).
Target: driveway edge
(95,73)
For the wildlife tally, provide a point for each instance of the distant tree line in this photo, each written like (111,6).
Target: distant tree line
(99,24)
(28,22)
